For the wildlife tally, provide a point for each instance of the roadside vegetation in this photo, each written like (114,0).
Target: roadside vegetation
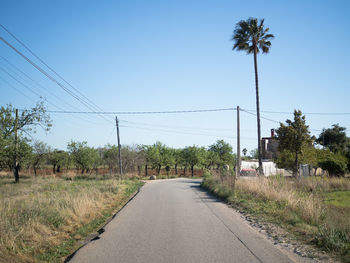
(314,209)
(46,218)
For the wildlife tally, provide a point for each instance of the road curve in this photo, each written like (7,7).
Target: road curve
(176,221)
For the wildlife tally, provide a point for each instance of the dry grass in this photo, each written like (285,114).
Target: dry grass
(40,213)
(300,205)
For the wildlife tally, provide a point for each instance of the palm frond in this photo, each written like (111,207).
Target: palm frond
(250,34)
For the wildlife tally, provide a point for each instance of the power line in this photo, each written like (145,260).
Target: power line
(50,77)
(38,86)
(260,116)
(36,56)
(142,112)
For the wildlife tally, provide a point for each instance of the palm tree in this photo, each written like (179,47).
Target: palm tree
(251,36)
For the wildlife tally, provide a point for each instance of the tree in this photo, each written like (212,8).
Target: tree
(40,152)
(223,153)
(58,159)
(292,137)
(251,36)
(13,126)
(84,157)
(156,155)
(334,139)
(194,156)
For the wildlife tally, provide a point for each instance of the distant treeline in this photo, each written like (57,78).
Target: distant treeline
(138,159)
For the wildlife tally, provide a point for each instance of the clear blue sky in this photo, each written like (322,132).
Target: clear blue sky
(174,55)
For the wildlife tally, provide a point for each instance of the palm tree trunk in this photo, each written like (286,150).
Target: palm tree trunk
(261,172)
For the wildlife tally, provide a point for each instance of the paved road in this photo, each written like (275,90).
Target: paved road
(176,221)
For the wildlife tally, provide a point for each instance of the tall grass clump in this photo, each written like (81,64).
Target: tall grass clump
(40,217)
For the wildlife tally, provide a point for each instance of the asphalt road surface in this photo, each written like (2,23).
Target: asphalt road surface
(176,221)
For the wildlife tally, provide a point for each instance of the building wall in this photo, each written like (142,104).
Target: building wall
(269,167)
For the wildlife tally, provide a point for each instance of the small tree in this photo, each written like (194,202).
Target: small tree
(223,152)
(194,156)
(292,137)
(40,153)
(58,159)
(84,157)
(14,127)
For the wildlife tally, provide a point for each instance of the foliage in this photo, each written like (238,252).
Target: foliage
(84,157)
(58,159)
(39,155)
(334,139)
(27,121)
(293,136)
(194,156)
(8,151)
(250,35)
(335,164)
(223,152)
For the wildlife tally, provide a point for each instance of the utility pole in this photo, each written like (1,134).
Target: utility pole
(238,165)
(15,161)
(119,155)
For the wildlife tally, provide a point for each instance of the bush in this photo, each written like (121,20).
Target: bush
(334,164)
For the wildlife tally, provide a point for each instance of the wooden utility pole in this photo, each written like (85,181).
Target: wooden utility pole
(15,161)
(119,155)
(238,165)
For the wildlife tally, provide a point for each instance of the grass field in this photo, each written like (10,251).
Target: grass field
(45,219)
(314,210)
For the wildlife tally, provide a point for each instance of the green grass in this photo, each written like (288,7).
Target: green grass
(338,199)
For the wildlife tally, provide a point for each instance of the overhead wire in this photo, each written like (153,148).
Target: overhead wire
(41,88)
(143,112)
(50,68)
(52,78)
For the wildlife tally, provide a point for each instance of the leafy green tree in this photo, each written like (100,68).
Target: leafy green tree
(24,153)
(223,152)
(211,158)
(176,153)
(156,155)
(194,156)
(334,139)
(292,137)
(40,154)
(84,157)
(59,159)
(25,124)
(251,36)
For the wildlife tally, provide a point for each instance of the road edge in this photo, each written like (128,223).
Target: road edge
(95,236)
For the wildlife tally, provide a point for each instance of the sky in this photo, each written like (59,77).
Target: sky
(175,55)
